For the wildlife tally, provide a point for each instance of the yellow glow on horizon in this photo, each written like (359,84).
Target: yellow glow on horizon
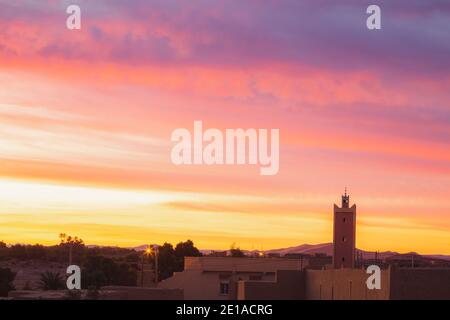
(36,212)
(32,193)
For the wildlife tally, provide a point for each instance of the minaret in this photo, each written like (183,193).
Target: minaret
(344,234)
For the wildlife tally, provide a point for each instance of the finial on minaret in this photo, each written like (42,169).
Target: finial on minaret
(345,199)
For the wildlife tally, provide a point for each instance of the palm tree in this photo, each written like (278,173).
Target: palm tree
(51,281)
(6,281)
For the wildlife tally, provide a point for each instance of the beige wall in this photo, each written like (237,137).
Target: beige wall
(288,285)
(346,284)
(340,284)
(337,284)
(197,285)
(202,276)
(205,285)
(243,264)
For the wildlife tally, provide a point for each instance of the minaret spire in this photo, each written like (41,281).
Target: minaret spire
(345,199)
(344,233)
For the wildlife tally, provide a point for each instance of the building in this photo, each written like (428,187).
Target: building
(216,278)
(309,277)
(423,279)
(415,260)
(344,234)
(350,284)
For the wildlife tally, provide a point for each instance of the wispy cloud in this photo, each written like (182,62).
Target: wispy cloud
(370,110)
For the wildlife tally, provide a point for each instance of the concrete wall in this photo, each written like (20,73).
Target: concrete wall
(246,264)
(202,276)
(205,285)
(196,285)
(350,284)
(344,284)
(288,285)
(420,283)
(202,281)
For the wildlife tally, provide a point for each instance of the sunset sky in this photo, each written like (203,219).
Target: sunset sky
(86,117)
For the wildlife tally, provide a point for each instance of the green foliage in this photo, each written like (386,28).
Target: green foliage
(171,260)
(60,253)
(51,281)
(166,261)
(74,241)
(100,271)
(6,281)
(132,257)
(186,249)
(102,266)
(4,251)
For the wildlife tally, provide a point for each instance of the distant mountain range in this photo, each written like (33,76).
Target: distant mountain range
(142,247)
(327,248)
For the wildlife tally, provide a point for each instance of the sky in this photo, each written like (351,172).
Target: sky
(86,118)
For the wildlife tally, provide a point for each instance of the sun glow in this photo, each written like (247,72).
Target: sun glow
(31,194)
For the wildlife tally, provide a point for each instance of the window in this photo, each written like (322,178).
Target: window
(343,220)
(224,288)
(344,239)
(343,259)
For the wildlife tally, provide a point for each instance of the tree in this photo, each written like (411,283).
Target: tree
(72,247)
(187,249)
(18,252)
(236,252)
(132,257)
(4,251)
(182,250)
(28,252)
(51,281)
(6,281)
(171,260)
(166,261)
(65,239)
(36,252)
(100,271)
